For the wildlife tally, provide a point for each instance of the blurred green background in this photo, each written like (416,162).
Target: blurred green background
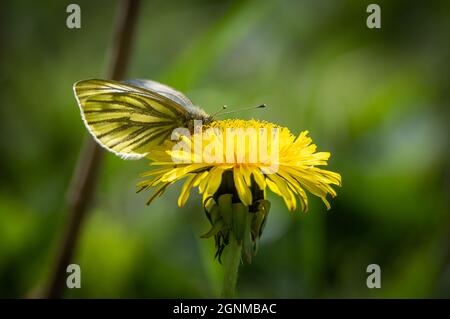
(376,98)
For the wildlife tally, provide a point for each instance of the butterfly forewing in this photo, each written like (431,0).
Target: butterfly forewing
(126,119)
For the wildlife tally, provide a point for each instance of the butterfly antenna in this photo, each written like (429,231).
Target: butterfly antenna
(220,113)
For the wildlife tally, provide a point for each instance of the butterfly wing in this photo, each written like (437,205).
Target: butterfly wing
(129,118)
(162,89)
(174,95)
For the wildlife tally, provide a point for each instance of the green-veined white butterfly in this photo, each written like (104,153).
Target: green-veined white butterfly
(129,117)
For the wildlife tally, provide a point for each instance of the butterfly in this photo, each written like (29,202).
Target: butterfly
(129,118)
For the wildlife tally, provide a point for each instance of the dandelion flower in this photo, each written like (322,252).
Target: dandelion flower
(233,163)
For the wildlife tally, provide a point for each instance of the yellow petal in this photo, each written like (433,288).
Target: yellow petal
(200,178)
(155,172)
(214,181)
(243,191)
(273,187)
(259,178)
(204,182)
(327,204)
(245,172)
(284,190)
(185,190)
(181,171)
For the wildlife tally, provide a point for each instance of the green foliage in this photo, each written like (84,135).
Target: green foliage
(377,99)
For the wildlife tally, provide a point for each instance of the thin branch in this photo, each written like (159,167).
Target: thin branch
(85,175)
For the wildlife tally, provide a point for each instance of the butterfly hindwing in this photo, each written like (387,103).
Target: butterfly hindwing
(162,89)
(127,119)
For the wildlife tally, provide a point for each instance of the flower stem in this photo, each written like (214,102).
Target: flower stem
(232,259)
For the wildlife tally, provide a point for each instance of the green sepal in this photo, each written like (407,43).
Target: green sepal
(215,229)
(247,244)
(240,221)
(226,208)
(209,203)
(235,221)
(260,217)
(214,214)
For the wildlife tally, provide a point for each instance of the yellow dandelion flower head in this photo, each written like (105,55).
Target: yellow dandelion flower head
(255,155)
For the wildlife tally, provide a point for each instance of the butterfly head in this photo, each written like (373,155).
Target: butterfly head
(195,113)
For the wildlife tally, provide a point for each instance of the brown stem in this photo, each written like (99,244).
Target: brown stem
(84,180)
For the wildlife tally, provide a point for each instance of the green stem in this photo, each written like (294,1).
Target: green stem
(232,259)
(86,174)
